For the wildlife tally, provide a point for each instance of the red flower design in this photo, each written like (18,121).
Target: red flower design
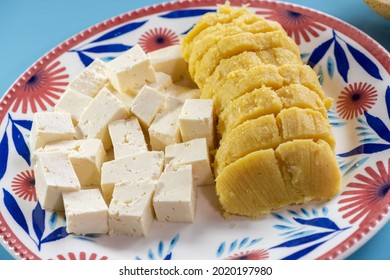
(158,38)
(250,255)
(297,25)
(355,99)
(23,185)
(367,197)
(43,87)
(81,256)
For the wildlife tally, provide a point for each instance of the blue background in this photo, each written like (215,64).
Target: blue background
(30,28)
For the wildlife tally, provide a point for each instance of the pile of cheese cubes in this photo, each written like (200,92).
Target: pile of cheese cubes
(127,142)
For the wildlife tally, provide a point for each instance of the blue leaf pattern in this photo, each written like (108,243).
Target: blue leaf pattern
(387,98)
(356,165)
(23,123)
(4,154)
(378,126)
(237,245)
(233,245)
(151,255)
(243,242)
(281,218)
(85,59)
(282,227)
(365,62)
(173,242)
(303,240)
(330,66)
(187,13)
(160,249)
(221,249)
(59,233)
(120,31)
(188,30)
(53,220)
(107,58)
(303,252)
(318,222)
(15,211)
(369,148)
(341,61)
(38,221)
(302,233)
(254,241)
(108,48)
(20,144)
(319,52)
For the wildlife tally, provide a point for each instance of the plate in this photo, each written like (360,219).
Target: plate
(352,68)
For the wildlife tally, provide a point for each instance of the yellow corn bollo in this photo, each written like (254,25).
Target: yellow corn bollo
(276,144)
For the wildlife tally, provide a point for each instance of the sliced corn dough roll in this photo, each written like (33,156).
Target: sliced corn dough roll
(268,132)
(241,81)
(297,123)
(246,23)
(253,185)
(224,14)
(310,168)
(304,75)
(202,46)
(296,172)
(296,95)
(259,102)
(258,134)
(235,44)
(246,60)
(263,101)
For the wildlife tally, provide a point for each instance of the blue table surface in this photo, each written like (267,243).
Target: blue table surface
(29,29)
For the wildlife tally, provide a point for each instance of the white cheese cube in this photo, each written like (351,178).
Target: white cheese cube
(165,129)
(54,175)
(91,80)
(141,167)
(86,156)
(195,153)
(197,120)
(74,103)
(131,70)
(104,109)
(147,104)
(131,209)
(182,92)
(50,126)
(86,212)
(127,137)
(126,99)
(163,81)
(170,61)
(174,198)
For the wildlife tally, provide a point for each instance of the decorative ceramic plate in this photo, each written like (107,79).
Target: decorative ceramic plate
(353,69)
